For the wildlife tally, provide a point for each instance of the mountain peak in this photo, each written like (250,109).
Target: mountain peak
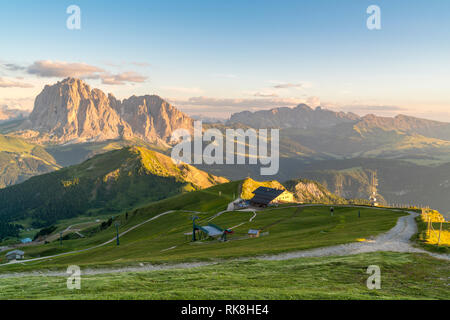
(70,111)
(302,116)
(303,107)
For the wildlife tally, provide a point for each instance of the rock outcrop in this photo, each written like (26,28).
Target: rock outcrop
(71,112)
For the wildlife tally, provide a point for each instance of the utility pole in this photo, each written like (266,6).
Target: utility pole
(60,238)
(194,228)
(117,230)
(373,189)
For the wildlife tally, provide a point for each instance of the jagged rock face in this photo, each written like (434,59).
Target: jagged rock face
(151,117)
(306,190)
(70,111)
(301,116)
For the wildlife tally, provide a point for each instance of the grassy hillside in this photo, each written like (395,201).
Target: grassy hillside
(351,141)
(72,154)
(20,160)
(404,276)
(163,240)
(107,183)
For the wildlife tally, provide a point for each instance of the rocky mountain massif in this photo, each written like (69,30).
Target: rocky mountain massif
(71,112)
(305,117)
(301,116)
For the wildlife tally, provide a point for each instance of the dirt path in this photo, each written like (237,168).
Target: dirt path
(94,247)
(396,240)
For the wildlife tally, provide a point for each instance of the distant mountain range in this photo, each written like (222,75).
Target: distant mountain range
(304,117)
(324,134)
(301,116)
(71,122)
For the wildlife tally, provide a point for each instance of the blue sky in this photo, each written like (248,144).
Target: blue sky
(217,57)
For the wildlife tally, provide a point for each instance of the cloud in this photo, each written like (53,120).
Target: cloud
(380,108)
(5,83)
(19,103)
(373,108)
(265,95)
(241,103)
(302,85)
(60,69)
(122,78)
(48,69)
(13,67)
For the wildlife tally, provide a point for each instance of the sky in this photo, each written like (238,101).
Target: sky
(213,58)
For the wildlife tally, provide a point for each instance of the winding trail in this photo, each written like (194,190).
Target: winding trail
(395,240)
(90,248)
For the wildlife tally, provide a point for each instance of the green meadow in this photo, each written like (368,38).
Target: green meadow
(163,240)
(403,276)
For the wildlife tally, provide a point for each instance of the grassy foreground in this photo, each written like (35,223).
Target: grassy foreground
(403,276)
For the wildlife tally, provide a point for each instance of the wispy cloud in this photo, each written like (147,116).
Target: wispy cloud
(5,83)
(122,78)
(61,69)
(49,69)
(13,67)
(265,95)
(300,85)
(18,103)
(240,103)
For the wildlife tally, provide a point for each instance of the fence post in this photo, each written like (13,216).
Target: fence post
(439,238)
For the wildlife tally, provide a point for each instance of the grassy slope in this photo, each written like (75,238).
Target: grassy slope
(421,237)
(20,160)
(289,229)
(207,200)
(113,182)
(403,276)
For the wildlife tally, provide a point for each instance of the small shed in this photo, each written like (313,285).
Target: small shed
(253,233)
(15,255)
(26,240)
